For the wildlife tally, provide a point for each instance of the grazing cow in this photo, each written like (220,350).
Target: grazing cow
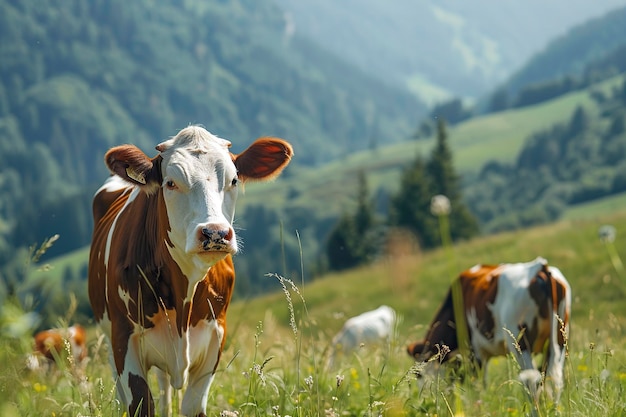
(160,268)
(57,344)
(517,308)
(372,326)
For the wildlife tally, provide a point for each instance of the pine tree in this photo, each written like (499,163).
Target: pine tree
(444,180)
(410,207)
(364,216)
(350,243)
(340,246)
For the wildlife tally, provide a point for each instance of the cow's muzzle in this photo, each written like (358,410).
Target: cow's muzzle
(216,238)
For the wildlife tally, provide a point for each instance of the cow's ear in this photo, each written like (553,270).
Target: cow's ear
(130,163)
(264,159)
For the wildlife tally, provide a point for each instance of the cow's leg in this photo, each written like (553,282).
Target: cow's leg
(133,391)
(201,374)
(132,381)
(142,403)
(521,347)
(481,368)
(554,362)
(197,394)
(165,392)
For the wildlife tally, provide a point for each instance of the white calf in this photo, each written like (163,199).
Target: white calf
(374,326)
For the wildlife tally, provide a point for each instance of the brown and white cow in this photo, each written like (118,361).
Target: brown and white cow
(58,344)
(506,307)
(160,268)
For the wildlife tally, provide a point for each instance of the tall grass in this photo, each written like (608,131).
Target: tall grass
(263,374)
(275,360)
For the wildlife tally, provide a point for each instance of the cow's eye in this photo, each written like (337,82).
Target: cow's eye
(234,182)
(171,185)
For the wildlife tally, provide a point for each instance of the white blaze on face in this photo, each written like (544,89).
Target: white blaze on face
(200,190)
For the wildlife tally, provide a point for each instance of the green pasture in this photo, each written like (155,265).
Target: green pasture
(274,363)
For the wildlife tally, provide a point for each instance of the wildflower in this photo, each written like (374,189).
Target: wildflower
(309,381)
(40,387)
(607,233)
(340,379)
(607,236)
(440,205)
(258,369)
(330,412)
(227,413)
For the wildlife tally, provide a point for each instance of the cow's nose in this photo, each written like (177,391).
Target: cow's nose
(215,234)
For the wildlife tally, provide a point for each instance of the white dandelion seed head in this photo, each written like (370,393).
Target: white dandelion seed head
(607,233)
(440,205)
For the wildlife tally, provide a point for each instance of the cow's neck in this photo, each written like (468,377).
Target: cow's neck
(164,283)
(190,267)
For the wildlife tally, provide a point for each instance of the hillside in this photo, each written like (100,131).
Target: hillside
(80,77)
(324,193)
(571,54)
(436,48)
(415,284)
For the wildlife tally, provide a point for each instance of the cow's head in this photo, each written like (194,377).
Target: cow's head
(423,351)
(198,178)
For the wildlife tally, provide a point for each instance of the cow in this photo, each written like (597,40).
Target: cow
(161,273)
(518,308)
(374,326)
(56,344)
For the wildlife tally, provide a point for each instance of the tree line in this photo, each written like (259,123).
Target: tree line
(359,236)
(566,164)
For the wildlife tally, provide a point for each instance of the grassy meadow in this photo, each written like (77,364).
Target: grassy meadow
(275,361)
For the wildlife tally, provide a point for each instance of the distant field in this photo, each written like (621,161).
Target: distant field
(597,208)
(416,284)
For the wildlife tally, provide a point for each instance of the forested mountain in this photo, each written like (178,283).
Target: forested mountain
(77,77)
(437,47)
(588,53)
(571,54)
(569,163)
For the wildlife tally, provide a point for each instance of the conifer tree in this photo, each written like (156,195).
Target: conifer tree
(350,243)
(444,180)
(340,245)
(410,207)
